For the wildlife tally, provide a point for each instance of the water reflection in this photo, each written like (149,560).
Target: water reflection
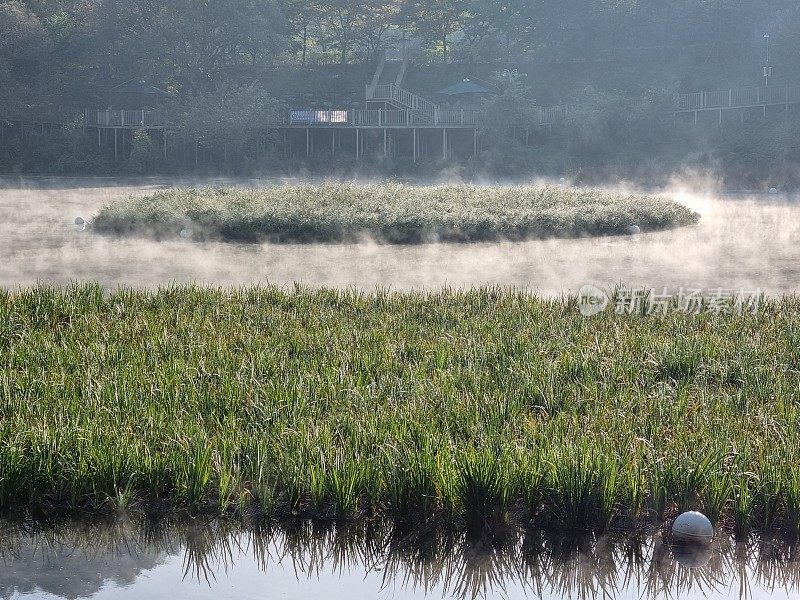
(140,557)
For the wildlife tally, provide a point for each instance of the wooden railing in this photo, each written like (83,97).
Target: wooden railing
(378,72)
(317,117)
(389,92)
(738,98)
(126,118)
(432,117)
(386,118)
(551,114)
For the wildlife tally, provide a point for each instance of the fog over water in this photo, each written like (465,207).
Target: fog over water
(742,242)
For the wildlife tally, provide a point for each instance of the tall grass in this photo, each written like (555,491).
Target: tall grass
(389,213)
(480,406)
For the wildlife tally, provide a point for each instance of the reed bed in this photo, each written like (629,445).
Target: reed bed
(471,406)
(389,213)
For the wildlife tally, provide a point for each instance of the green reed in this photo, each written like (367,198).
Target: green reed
(390,213)
(480,406)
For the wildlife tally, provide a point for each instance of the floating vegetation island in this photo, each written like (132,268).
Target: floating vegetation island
(471,406)
(389,213)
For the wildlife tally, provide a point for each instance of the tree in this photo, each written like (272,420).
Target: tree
(500,28)
(436,20)
(383,15)
(344,20)
(230,116)
(23,48)
(198,41)
(302,16)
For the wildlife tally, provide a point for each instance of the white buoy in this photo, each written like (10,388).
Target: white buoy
(692,556)
(773,190)
(634,230)
(693,527)
(80,221)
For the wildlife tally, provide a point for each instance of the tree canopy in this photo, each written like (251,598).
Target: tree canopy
(78,49)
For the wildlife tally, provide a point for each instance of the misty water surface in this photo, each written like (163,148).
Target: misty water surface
(741,243)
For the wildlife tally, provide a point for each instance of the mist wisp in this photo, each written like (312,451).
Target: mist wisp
(742,241)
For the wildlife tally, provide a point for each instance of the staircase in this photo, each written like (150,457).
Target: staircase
(392,71)
(387,88)
(399,98)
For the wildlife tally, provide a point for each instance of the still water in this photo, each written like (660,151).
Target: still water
(210,560)
(742,243)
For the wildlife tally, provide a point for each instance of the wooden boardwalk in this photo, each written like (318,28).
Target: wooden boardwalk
(741,100)
(436,118)
(126,119)
(394,121)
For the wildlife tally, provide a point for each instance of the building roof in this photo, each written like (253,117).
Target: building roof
(137,86)
(465,87)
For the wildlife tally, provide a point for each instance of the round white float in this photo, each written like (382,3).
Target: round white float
(773,190)
(79,221)
(634,230)
(692,556)
(693,527)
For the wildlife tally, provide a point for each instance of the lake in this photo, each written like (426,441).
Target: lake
(743,242)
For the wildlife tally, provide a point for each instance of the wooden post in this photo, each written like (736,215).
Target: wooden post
(730,98)
(720,116)
(308,141)
(358,142)
(385,141)
(415,144)
(115,143)
(99,143)
(444,143)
